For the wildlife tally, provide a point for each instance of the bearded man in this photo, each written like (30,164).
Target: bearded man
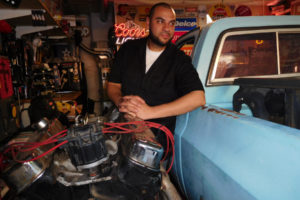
(153,80)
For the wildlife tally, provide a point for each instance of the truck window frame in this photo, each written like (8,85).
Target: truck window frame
(213,81)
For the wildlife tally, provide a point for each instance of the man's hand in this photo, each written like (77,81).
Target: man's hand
(135,106)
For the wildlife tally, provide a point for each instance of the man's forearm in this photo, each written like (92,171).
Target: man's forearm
(179,106)
(137,107)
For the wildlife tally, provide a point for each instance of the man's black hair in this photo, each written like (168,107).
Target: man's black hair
(161,4)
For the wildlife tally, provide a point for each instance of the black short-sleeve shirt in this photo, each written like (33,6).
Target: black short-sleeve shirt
(171,76)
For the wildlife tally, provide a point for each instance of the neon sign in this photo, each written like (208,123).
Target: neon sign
(121,40)
(259,42)
(122,31)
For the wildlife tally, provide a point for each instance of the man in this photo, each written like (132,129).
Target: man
(151,79)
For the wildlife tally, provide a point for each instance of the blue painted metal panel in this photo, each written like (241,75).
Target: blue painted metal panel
(224,155)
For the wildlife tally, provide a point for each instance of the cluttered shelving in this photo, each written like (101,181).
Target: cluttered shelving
(37,58)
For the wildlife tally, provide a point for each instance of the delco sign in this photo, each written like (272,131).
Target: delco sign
(185,24)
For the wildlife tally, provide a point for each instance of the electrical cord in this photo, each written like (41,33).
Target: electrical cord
(122,128)
(14,148)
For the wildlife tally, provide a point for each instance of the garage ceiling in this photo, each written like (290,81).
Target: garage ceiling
(196,2)
(76,7)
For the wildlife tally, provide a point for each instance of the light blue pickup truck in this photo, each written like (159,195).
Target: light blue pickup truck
(245,142)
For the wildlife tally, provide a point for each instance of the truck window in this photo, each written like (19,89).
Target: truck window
(260,53)
(289,52)
(248,55)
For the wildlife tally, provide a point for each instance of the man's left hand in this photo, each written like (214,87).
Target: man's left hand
(136,107)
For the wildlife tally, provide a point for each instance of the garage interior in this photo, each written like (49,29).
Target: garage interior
(55,57)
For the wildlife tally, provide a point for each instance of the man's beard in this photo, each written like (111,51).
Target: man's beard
(156,40)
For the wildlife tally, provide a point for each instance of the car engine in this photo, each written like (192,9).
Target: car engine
(93,159)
